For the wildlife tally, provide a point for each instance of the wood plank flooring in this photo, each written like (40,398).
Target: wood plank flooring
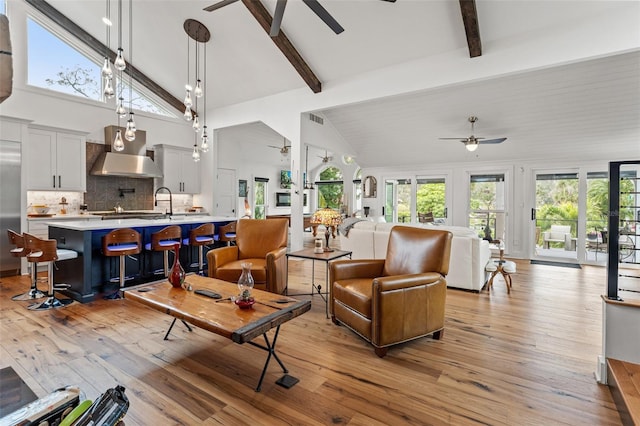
(521,359)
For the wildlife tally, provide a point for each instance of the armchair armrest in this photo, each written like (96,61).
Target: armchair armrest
(358,268)
(397,282)
(220,256)
(277,270)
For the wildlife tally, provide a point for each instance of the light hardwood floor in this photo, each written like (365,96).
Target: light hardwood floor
(521,359)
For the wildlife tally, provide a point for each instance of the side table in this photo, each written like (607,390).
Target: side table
(325,257)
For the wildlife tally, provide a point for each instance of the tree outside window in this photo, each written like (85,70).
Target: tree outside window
(330,188)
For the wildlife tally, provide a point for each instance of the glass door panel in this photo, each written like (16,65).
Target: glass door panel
(398,200)
(431,199)
(260,197)
(556,216)
(487,201)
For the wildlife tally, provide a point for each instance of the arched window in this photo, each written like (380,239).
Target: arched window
(330,188)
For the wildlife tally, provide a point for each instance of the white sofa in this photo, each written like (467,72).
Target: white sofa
(469,253)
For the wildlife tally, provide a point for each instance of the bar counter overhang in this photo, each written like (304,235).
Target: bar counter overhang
(88,275)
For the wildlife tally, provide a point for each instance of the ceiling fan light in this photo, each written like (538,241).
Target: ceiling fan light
(471,146)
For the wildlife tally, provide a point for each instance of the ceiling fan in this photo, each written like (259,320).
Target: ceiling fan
(284,149)
(326,157)
(472,141)
(314,5)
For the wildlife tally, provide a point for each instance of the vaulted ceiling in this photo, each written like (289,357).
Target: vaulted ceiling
(576,106)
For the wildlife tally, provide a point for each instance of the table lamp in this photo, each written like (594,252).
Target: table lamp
(327,217)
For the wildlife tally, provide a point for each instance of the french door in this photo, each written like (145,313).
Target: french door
(555,216)
(413,198)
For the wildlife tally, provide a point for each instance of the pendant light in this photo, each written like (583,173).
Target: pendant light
(204,146)
(307,183)
(106,71)
(120,109)
(119,63)
(196,153)
(130,133)
(200,34)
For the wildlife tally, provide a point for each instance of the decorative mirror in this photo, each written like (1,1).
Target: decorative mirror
(370,187)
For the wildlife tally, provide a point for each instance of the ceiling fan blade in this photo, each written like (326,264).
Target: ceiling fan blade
(454,139)
(218,5)
(490,141)
(277,18)
(324,15)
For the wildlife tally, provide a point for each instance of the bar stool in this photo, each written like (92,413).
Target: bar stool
(227,233)
(45,251)
(201,236)
(21,251)
(164,240)
(121,243)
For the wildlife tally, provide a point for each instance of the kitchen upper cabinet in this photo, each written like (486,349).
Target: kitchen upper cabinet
(180,173)
(55,161)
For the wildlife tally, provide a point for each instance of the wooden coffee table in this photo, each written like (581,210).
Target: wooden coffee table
(222,316)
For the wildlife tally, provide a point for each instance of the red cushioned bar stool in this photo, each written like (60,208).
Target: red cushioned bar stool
(121,243)
(20,250)
(45,251)
(200,237)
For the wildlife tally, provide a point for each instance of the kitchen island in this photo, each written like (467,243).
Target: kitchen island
(89,274)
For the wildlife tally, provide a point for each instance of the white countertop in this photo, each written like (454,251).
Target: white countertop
(92,225)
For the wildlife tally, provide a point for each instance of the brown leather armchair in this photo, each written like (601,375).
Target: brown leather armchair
(261,242)
(397,299)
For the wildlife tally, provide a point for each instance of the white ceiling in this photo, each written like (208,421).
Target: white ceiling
(582,106)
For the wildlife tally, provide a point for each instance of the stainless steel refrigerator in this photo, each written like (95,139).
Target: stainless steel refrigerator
(10,163)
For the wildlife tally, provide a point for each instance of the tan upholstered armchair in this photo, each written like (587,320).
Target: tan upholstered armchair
(397,299)
(263,242)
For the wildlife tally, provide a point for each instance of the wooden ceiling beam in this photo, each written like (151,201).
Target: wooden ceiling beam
(94,44)
(264,18)
(471,28)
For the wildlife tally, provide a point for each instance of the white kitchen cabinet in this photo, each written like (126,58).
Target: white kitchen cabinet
(55,160)
(180,173)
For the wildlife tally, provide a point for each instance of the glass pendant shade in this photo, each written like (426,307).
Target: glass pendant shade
(130,133)
(204,146)
(106,68)
(198,90)
(119,63)
(187,99)
(187,114)
(196,154)
(196,124)
(118,143)
(120,109)
(108,88)
(133,121)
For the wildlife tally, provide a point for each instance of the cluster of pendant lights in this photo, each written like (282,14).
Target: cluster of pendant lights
(200,34)
(120,65)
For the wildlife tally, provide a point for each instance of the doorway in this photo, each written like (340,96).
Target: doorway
(555,215)
(398,200)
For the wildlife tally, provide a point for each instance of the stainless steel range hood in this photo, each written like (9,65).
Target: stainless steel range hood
(131,162)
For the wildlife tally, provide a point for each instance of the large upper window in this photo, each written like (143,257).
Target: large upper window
(55,65)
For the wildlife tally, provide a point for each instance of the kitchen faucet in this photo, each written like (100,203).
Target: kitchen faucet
(155,197)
